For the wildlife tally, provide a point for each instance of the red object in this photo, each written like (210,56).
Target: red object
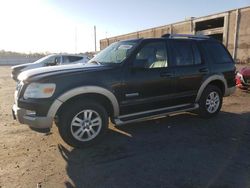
(243,78)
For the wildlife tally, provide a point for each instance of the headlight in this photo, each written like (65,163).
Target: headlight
(39,90)
(239,75)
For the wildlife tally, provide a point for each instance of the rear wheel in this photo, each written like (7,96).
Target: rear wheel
(82,124)
(210,102)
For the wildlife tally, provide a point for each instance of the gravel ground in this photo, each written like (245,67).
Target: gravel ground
(181,151)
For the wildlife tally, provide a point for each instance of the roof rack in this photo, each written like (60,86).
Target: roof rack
(185,36)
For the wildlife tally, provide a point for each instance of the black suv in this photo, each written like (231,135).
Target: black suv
(129,81)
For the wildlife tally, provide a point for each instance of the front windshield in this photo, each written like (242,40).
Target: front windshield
(115,53)
(42,59)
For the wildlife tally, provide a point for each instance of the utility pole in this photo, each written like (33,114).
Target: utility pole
(75,40)
(95,36)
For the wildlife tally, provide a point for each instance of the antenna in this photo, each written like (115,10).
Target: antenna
(95,36)
(75,39)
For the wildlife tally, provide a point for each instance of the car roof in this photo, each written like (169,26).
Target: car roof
(175,37)
(77,55)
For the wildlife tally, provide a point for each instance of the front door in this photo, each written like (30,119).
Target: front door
(149,80)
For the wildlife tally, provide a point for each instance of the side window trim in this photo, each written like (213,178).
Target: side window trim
(195,45)
(61,58)
(168,54)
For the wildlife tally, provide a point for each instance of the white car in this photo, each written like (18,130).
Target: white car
(50,60)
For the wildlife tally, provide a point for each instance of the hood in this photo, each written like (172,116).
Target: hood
(245,71)
(32,72)
(20,66)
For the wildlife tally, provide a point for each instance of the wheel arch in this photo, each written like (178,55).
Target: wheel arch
(217,80)
(90,92)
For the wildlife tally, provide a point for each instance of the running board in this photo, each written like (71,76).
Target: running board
(146,115)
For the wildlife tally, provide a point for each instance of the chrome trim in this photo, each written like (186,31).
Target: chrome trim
(132,94)
(84,90)
(118,121)
(155,110)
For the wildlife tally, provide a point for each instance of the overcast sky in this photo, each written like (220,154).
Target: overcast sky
(67,25)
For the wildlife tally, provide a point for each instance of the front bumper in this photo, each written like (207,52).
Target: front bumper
(24,116)
(242,83)
(243,86)
(14,76)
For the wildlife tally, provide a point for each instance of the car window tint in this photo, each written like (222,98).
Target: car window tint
(71,59)
(74,58)
(153,55)
(182,53)
(53,59)
(65,60)
(197,56)
(217,52)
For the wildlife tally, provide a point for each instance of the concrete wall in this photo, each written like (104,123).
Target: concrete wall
(243,41)
(16,60)
(231,29)
(236,32)
(183,28)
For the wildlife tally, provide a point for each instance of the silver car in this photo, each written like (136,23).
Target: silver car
(50,60)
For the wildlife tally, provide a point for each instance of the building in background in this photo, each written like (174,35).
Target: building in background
(230,27)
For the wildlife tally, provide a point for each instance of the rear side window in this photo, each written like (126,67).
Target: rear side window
(217,52)
(71,59)
(74,58)
(185,53)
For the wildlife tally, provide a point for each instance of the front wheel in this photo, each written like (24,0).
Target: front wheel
(82,124)
(210,102)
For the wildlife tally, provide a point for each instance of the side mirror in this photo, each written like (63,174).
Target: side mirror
(139,63)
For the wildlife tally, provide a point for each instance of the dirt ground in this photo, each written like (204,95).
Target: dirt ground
(181,151)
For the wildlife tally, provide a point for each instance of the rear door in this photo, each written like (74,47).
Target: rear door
(189,69)
(220,60)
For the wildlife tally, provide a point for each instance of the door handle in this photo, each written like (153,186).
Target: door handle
(166,74)
(203,70)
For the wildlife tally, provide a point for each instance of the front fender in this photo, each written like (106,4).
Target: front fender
(83,90)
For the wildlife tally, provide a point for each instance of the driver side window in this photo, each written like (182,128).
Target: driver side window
(54,60)
(152,55)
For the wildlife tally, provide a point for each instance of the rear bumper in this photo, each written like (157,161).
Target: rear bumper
(229,91)
(24,116)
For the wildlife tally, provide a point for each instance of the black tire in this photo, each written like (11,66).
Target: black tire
(77,110)
(204,110)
